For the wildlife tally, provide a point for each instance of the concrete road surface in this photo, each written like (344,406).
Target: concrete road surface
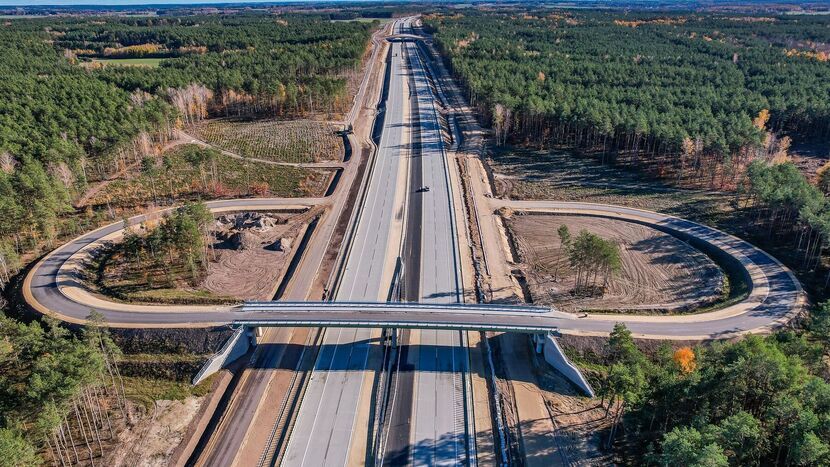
(326,424)
(438,435)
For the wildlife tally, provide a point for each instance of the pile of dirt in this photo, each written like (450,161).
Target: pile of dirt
(245,240)
(659,272)
(246,221)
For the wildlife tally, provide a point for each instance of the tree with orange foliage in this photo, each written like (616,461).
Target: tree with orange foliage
(685,359)
(761,120)
(259,188)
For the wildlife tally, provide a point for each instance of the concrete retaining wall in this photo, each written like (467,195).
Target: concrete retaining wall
(557,359)
(236,346)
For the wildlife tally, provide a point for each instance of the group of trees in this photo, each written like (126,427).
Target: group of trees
(57,391)
(252,63)
(594,259)
(679,97)
(54,118)
(179,241)
(786,207)
(63,126)
(758,401)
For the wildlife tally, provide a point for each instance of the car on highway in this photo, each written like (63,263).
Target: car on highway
(423,189)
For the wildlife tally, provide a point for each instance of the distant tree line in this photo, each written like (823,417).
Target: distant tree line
(251,63)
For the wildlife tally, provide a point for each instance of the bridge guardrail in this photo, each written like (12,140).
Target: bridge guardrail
(287,306)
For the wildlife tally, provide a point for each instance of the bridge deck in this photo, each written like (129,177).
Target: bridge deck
(398,315)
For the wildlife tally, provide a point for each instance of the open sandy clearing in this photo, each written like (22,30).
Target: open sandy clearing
(659,272)
(152,440)
(253,253)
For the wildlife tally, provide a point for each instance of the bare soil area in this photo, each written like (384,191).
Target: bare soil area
(253,251)
(564,176)
(582,424)
(810,156)
(659,272)
(250,253)
(153,438)
(551,422)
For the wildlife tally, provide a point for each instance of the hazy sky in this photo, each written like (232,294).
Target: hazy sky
(122,2)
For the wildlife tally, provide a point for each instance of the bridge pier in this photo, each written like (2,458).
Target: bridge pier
(390,338)
(236,346)
(547,345)
(539,343)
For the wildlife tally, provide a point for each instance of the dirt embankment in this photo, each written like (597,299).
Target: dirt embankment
(659,272)
(155,435)
(181,340)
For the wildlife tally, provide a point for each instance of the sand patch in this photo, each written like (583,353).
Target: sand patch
(253,251)
(659,272)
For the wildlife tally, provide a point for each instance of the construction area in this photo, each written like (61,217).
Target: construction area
(248,255)
(659,272)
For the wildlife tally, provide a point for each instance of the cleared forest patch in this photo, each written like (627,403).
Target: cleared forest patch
(659,272)
(563,176)
(191,172)
(248,254)
(295,141)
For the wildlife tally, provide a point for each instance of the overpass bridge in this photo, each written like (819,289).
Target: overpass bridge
(403,37)
(401,315)
(541,321)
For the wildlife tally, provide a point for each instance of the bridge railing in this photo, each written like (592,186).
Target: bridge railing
(357,305)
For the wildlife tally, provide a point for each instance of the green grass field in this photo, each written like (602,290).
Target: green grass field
(293,141)
(145,62)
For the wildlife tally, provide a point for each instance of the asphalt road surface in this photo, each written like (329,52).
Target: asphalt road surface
(775,295)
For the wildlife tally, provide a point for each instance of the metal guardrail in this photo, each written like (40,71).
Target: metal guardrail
(478,326)
(390,306)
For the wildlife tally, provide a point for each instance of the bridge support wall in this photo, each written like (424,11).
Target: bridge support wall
(557,359)
(236,346)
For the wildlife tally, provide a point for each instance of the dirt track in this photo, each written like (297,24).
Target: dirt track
(659,272)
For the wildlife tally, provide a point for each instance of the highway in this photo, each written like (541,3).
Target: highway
(325,429)
(394,219)
(284,355)
(433,397)
(437,435)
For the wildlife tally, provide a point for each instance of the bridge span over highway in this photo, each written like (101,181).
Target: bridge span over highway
(451,316)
